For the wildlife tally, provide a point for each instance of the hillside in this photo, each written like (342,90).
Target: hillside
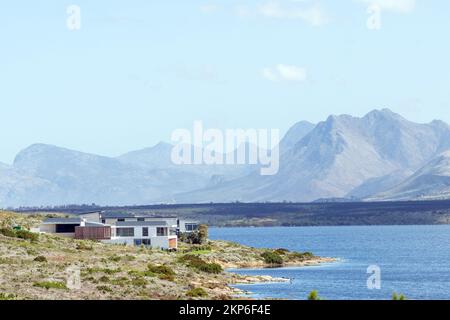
(40,268)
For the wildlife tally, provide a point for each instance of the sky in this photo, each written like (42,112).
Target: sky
(136,70)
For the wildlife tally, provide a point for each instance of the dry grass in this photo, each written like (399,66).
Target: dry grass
(40,269)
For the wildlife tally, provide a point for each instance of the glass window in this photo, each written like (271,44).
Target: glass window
(141,219)
(145,232)
(121,220)
(191,226)
(125,232)
(146,242)
(161,232)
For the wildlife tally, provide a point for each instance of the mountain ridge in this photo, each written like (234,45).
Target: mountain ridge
(344,156)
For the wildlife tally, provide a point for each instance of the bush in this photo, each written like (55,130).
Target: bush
(8,232)
(83,246)
(197,293)
(104,288)
(40,259)
(163,272)
(114,258)
(199,236)
(5,296)
(197,263)
(313,295)
(302,256)
(281,251)
(139,282)
(50,285)
(27,235)
(271,257)
(161,269)
(395,296)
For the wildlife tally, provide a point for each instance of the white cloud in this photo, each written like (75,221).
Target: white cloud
(282,72)
(397,6)
(312,15)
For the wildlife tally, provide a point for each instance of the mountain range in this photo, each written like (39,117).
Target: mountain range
(378,157)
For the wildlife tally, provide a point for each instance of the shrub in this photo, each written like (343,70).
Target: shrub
(114,258)
(281,251)
(50,285)
(313,295)
(103,279)
(27,235)
(395,296)
(161,269)
(40,259)
(199,236)
(104,288)
(271,257)
(163,272)
(302,256)
(5,296)
(197,293)
(83,246)
(8,232)
(139,282)
(199,264)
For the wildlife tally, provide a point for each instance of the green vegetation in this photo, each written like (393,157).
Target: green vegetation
(395,296)
(104,289)
(201,265)
(199,236)
(163,272)
(272,258)
(22,234)
(27,235)
(197,293)
(5,296)
(40,259)
(84,246)
(314,295)
(50,285)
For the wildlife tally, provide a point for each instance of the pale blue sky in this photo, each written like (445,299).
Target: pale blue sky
(138,69)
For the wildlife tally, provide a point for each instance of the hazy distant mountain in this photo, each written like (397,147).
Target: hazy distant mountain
(431,182)
(156,157)
(380,156)
(76,177)
(338,156)
(295,134)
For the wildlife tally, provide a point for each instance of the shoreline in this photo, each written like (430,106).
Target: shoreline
(266,279)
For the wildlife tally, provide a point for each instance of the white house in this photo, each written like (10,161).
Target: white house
(121,228)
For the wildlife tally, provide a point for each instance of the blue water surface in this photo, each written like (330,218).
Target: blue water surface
(414,260)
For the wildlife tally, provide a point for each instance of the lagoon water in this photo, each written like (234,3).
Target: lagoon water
(414,260)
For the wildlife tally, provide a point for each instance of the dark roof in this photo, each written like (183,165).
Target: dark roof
(123,215)
(62,221)
(141,223)
(116,215)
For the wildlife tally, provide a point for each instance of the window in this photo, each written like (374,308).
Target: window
(125,232)
(103,221)
(121,220)
(141,219)
(191,226)
(145,232)
(146,242)
(161,232)
(66,228)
